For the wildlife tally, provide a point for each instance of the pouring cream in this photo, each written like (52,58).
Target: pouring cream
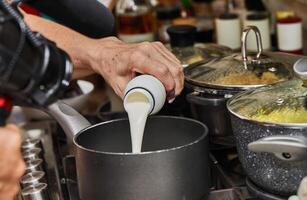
(144,95)
(138,109)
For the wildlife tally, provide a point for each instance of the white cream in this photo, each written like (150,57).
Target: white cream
(138,108)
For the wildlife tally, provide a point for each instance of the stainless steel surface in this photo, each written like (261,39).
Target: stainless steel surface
(71,121)
(34,165)
(30,144)
(288,148)
(244,43)
(35,192)
(32,178)
(51,159)
(32,154)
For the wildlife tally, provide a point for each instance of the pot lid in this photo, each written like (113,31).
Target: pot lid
(212,50)
(239,71)
(281,103)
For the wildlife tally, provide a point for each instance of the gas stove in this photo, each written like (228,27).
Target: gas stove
(227,179)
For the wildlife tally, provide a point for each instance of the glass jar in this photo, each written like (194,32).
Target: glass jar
(165,16)
(135,21)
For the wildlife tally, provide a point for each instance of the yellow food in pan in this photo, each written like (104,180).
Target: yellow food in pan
(248,78)
(284,115)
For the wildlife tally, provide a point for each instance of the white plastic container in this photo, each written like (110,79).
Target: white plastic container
(151,88)
(262,22)
(228,30)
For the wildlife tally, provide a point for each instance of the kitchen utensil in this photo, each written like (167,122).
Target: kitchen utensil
(215,81)
(271,138)
(36,192)
(173,164)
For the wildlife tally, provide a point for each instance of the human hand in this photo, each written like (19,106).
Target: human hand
(11,163)
(118,62)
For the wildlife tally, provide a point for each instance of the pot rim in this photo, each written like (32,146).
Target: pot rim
(264,123)
(204,134)
(232,87)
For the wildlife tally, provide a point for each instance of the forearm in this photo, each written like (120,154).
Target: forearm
(79,47)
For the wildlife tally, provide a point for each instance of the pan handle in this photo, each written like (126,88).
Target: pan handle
(70,120)
(283,147)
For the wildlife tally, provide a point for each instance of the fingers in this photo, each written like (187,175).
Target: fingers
(175,68)
(150,58)
(143,61)
(10,155)
(165,51)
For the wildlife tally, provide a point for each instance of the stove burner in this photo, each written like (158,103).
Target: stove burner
(261,194)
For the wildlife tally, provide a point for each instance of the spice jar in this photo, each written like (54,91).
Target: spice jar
(290,35)
(165,16)
(135,22)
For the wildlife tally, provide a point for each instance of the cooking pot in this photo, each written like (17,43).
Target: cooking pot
(173,164)
(270,128)
(214,82)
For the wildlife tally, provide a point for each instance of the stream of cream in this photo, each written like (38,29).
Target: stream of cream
(138,108)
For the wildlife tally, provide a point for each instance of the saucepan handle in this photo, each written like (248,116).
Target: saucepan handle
(284,147)
(70,120)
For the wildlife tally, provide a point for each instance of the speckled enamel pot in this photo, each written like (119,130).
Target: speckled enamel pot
(276,166)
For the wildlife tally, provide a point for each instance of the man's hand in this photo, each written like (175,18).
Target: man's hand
(11,163)
(118,62)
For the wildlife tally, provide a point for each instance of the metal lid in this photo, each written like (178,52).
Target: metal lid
(283,103)
(239,71)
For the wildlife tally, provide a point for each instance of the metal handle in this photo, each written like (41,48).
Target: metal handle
(70,120)
(300,69)
(244,42)
(284,147)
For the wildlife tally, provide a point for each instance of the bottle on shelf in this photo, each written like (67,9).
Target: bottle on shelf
(187,9)
(290,34)
(165,16)
(135,21)
(225,23)
(182,39)
(204,20)
(262,22)
(258,15)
